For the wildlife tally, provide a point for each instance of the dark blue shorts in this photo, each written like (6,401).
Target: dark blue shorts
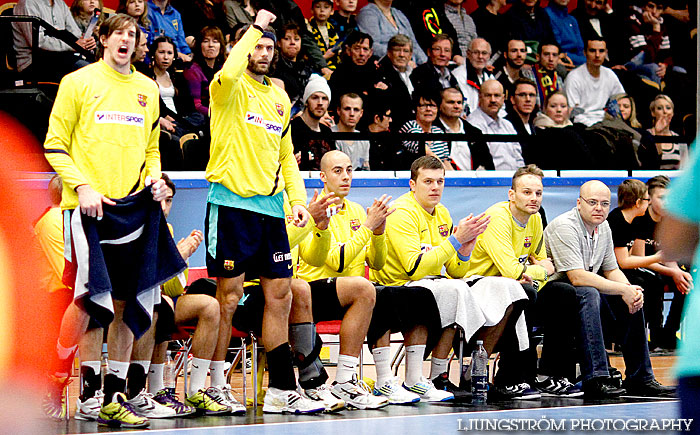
(244,242)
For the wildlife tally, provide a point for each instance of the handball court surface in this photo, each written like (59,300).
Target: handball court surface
(421,418)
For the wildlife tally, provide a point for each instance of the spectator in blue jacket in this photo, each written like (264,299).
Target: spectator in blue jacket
(166,20)
(567,33)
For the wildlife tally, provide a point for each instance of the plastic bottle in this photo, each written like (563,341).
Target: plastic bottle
(480,373)
(103,362)
(169,381)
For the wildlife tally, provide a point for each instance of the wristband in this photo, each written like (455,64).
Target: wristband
(255,26)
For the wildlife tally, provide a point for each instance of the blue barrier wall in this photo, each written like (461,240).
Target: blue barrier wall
(472,193)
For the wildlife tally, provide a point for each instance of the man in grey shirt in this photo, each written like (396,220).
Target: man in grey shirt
(349,114)
(580,244)
(53,55)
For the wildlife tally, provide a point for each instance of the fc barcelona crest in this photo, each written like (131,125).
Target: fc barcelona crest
(228,264)
(354,224)
(142,99)
(528,242)
(280,109)
(444,230)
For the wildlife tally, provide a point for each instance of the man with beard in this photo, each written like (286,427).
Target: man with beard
(506,155)
(511,71)
(308,146)
(245,221)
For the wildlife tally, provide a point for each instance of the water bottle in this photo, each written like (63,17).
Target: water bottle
(169,381)
(103,362)
(480,373)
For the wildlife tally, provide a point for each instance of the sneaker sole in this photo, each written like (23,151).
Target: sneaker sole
(528,397)
(351,405)
(570,395)
(446,399)
(85,417)
(271,410)
(117,423)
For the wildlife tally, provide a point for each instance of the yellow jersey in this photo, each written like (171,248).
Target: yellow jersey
(418,244)
(104,131)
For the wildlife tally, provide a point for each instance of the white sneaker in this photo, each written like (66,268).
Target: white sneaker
(356,396)
(278,401)
(90,408)
(427,391)
(144,405)
(230,400)
(392,390)
(325,395)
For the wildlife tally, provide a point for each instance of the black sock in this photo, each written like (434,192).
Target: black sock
(91,382)
(279,362)
(135,380)
(113,384)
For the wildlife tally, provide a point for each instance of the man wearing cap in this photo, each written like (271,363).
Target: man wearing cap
(245,220)
(309,146)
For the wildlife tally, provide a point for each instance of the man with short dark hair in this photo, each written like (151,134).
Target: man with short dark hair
(465,154)
(589,86)
(421,241)
(251,135)
(434,75)
(349,114)
(544,74)
(515,55)
(357,72)
(679,281)
(506,155)
(596,19)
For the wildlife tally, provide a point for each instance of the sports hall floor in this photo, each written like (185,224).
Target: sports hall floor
(421,419)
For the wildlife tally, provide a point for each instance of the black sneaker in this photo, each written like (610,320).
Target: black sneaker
(558,387)
(521,391)
(442,382)
(651,388)
(600,388)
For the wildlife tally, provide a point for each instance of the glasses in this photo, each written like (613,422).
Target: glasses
(480,53)
(428,105)
(645,199)
(525,95)
(595,202)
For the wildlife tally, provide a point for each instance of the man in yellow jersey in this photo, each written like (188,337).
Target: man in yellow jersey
(513,246)
(103,141)
(421,241)
(251,163)
(337,290)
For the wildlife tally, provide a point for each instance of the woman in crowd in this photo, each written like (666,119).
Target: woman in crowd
(209,55)
(382,21)
(672,155)
(83,10)
(426,105)
(558,144)
(621,113)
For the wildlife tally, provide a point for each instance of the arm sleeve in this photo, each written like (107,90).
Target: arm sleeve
(176,286)
(402,233)
(314,248)
(48,43)
(64,117)
(684,191)
(456,268)
(235,65)
(368,21)
(340,256)
(195,86)
(609,261)
(152,147)
(180,40)
(376,254)
(572,91)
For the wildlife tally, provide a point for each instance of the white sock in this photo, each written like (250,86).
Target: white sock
(438,366)
(382,362)
(216,371)
(347,366)
(64,352)
(198,375)
(118,368)
(414,363)
(155,378)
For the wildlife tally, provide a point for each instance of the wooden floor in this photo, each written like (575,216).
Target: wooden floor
(662,365)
